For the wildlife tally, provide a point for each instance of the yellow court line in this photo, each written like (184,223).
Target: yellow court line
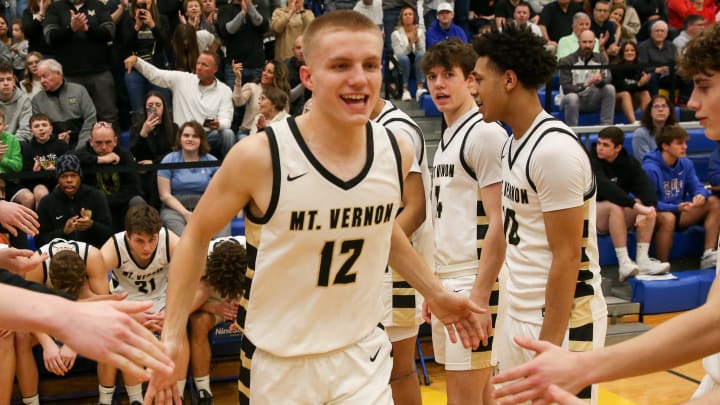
(608,398)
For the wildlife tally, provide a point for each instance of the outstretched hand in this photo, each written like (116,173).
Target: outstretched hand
(15,216)
(457,312)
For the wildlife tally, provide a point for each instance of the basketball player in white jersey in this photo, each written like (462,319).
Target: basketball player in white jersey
(548,200)
(320,194)
(225,275)
(403,304)
(78,269)
(139,258)
(469,243)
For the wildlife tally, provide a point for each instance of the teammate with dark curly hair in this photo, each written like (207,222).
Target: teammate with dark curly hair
(67,272)
(548,204)
(226,266)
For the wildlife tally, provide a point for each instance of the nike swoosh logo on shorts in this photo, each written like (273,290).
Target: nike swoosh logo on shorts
(374,356)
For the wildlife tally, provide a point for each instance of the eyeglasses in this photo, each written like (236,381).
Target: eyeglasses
(660,106)
(102,124)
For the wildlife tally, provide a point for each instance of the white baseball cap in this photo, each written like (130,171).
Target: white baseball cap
(445,6)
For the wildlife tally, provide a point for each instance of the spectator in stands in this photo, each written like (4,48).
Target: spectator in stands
(682,198)
(209,16)
(481,14)
(288,23)
(571,42)
(521,17)
(196,97)
(693,25)
(556,20)
(73,210)
(80,36)
(630,81)
(15,103)
(191,14)
(659,55)
(68,105)
(332,5)
(11,162)
(6,53)
(391,14)
(180,189)
(679,10)
(586,90)
(627,19)
(505,10)
(408,44)
(607,32)
(19,47)
(298,92)
(242,28)
(31,79)
(443,28)
(111,168)
(273,106)
(649,12)
(625,199)
(185,48)
(146,33)
(658,114)
(39,155)
(225,275)
(32,25)
(248,94)
(371,9)
(150,140)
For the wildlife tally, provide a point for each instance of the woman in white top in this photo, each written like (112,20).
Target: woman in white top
(273,103)
(273,74)
(409,39)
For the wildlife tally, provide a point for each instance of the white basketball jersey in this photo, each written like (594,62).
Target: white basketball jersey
(320,250)
(57,245)
(467,159)
(143,283)
(547,169)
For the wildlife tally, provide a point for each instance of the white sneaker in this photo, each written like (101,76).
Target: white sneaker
(406,95)
(627,269)
(709,259)
(653,266)
(419,93)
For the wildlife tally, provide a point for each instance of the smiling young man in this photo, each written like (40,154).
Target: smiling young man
(548,200)
(320,228)
(469,245)
(648,352)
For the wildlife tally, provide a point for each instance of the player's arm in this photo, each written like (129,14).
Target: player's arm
(97,272)
(564,234)
(413,198)
(51,354)
(36,274)
(109,254)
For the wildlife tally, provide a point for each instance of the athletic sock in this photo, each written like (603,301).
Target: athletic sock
(642,252)
(203,383)
(34,400)
(622,254)
(134,392)
(106,394)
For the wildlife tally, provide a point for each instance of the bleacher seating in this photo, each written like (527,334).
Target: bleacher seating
(662,296)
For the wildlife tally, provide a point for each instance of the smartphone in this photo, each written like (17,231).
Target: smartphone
(151,111)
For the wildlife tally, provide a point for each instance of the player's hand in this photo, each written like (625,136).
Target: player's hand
(162,389)
(14,217)
(684,206)
(227,309)
(20,261)
(53,361)
(68,356)
(559,396)
(130,62)
(456,312)
(6,333)
(151,320)
(426,314)
(698,200)
(529,382)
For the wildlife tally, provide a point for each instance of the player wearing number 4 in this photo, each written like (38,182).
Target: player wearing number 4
(469,242)
(548,199)
(139,258)
(320,210)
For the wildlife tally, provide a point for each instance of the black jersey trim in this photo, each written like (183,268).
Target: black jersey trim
(275,194)
(443,145)
(398,159)
(381,116)
(513,157)
(329,176)
(167,243)
(117,251)
(415,127)
(470,171)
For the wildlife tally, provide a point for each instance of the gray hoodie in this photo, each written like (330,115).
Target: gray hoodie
(17,115)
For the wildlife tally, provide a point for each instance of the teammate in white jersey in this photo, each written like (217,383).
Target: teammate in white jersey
(225,275)
(682,339)
(469,243)
(320,195)
(402,303)
(139,258)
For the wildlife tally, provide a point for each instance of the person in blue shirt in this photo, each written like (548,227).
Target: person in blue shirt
(443,28)
(682,198)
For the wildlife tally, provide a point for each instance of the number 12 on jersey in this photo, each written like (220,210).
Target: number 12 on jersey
(350,248)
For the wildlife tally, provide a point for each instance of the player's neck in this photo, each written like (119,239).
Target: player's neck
(522,113)
(467,105)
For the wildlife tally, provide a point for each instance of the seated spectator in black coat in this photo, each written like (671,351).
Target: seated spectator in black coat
(630,81)
(39,155)
(112,169)
(74,210)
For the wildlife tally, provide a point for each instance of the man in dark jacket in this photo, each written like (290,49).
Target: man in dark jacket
(73,210)
(110,168)
(626,198)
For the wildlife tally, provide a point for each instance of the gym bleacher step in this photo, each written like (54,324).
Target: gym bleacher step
(619,332)
(618,307)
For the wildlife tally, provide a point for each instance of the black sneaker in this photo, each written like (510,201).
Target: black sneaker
(204,398)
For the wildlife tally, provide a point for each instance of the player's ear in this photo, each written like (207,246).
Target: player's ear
(509,80)
(306,77)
